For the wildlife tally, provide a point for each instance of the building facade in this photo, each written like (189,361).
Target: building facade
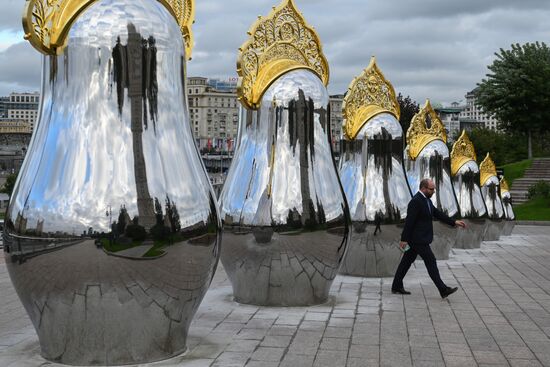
(14,126)
(450,116)
(21,107)
(336,121)
(472,115)
(214,114)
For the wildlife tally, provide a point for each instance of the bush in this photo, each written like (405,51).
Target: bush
(136,232)
(160,232)
(540,189)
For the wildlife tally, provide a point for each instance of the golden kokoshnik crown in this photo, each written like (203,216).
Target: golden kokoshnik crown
(463,151)
(487,169)
(368,95)
(47,22)
(419,135)
(278,43)
(504,188)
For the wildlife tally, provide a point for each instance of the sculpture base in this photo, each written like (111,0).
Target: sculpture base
(494,230)
(444,240)
(471,236)
(90,308)
(372,251)
(508,227)
(282,269)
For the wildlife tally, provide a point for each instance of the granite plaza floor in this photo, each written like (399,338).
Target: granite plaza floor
(499,317)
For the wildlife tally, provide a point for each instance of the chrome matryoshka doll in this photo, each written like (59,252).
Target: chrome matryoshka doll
(507,203)
(490,188)
(112,233)
(473,212)
(285,217)
(372,174)
(427,156)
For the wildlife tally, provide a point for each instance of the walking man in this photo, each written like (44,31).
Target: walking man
(417,236)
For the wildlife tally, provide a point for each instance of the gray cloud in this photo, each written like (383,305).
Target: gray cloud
(20,69)
(437,49)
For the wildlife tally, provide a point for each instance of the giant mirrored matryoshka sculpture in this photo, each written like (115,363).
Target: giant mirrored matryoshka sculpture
(473,212)
(490,188)
(510,222)
(427,156)
(285,216)
(372,174)
(112,233)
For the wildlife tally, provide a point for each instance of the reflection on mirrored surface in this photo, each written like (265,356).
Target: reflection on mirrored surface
(285,217)
(433,162)
(472,206)
(112,233)
(372,174)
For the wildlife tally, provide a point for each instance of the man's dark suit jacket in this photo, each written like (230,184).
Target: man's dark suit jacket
(418,225)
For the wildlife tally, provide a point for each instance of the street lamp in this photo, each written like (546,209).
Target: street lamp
(109,213)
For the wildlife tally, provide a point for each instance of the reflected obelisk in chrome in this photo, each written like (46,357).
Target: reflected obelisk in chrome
(112,233)
(490,188)
(372,174)
(506,197)
(427,156)
(285,217)
(473,212)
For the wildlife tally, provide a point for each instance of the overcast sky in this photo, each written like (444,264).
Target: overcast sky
(437,49)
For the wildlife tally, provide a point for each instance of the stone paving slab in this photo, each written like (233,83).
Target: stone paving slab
(499,317)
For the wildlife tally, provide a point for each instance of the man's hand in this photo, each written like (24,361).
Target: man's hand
(460,223)
(403,245)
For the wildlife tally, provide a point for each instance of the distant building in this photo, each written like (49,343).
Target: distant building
(214,115)
(4,101)
(336,121)
(450,116)
(23,106)
(14,126)
(473,116)
(223,85)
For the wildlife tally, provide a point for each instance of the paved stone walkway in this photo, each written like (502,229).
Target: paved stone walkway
(499,317)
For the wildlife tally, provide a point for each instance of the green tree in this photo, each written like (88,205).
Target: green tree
(408,108)
(504,148)
(517,90)
(9,184)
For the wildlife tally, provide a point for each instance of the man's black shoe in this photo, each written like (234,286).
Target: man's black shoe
(400,291)
(448,291)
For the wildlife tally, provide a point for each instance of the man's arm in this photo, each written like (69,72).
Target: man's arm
(446,219)
(410,221)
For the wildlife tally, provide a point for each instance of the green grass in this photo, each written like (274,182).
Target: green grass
(535,209)
(116,247)
(515,170)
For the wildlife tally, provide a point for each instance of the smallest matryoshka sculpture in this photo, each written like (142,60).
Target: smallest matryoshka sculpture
(506,197)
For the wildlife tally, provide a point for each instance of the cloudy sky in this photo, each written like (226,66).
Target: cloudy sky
(437,49)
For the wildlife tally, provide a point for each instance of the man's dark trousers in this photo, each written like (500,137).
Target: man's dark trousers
(408,259)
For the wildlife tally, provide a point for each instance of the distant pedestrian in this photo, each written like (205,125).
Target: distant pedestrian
(417,236)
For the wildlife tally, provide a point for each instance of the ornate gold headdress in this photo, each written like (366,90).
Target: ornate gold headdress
(504,186)
(487,169)
(463,151)
(47,22)
(418,135)
(369,94)
(278,43)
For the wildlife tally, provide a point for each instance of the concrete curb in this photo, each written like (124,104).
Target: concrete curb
(533,223)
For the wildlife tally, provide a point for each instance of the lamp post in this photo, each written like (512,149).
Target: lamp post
(109,213)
